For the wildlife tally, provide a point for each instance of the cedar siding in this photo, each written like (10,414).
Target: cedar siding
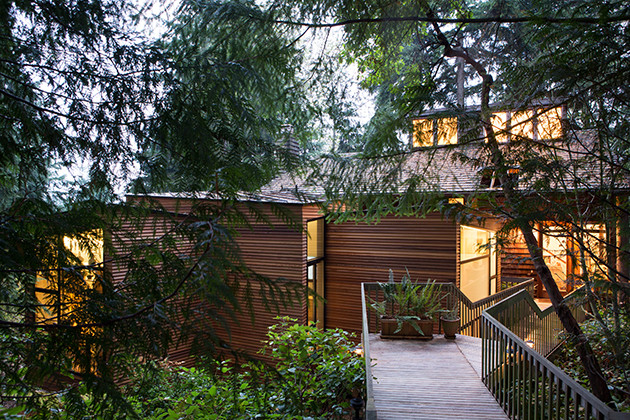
(276,251)
(357,253)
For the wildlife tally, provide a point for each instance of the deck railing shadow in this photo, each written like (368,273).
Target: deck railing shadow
(450,297)
(517,336)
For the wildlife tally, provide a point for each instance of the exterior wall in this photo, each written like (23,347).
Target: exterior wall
(276,251)
(357,253)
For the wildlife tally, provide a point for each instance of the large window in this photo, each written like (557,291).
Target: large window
(62,289)
(565,257)
(478,263)
(315,271)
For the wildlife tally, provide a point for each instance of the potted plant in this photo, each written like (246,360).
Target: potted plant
(450,321)
(408,309)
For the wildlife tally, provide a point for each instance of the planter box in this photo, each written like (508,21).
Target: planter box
(388,326)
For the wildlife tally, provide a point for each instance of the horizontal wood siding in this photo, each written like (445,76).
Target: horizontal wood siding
(515,261)
(277,252)
(358,253)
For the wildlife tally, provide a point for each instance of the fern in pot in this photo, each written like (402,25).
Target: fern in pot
(408,308)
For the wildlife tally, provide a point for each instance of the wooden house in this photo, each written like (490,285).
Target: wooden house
(331,260)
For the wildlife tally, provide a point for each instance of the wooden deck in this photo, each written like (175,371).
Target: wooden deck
(431,380)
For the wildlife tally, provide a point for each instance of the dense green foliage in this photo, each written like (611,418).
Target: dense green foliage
(613,353)
(316,373)
(91,107)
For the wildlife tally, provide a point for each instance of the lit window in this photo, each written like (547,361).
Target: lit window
(499,122)
(549,124)
(478,262)
(422,132)
(315,271)
(447,131)
(474,242)
(61,290)
(522,124)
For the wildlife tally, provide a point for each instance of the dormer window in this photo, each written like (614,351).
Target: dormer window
(489,178)
(434,132)
(533,124)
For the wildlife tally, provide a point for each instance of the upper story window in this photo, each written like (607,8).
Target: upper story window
(534,123)
(434,132)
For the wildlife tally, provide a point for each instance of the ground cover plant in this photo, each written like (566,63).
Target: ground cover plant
(316,374)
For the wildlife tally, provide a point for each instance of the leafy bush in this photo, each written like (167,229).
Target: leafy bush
(318,370)
(315,376)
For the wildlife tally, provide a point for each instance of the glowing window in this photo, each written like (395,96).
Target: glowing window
(422,132)
(61,290)
(522,124)
(474,242)
(549,124)
(499,122)
(447,131)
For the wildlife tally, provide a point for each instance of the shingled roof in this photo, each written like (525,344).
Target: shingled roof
(455,169)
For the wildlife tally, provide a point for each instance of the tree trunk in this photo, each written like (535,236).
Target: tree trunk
(570,324)
(598,383)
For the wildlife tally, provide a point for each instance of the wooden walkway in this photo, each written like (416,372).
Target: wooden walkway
(430,380)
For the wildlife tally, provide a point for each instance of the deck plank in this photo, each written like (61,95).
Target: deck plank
(430,380)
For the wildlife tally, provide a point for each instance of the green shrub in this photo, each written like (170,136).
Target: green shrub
(315,375)
(318,369)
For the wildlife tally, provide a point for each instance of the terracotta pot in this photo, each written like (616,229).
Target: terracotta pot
(389,326)
(450,327)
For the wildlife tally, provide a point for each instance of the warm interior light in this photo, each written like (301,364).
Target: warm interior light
(422,132)
(358,351)
(447,131)
(530,343)
(456,200)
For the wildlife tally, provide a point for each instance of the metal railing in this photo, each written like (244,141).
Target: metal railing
(470,314)
(523,381)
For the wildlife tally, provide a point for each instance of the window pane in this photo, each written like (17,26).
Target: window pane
(499,125)
(523,124)
(493,256)
(549,123)
(447,131)
(475,279)
(594,238)
(555,255)
(315,239)
(473,242)
(422,132)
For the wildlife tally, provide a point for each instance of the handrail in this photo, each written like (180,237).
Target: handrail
(523,381)
(521,315)
(370,409)
(471,326)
